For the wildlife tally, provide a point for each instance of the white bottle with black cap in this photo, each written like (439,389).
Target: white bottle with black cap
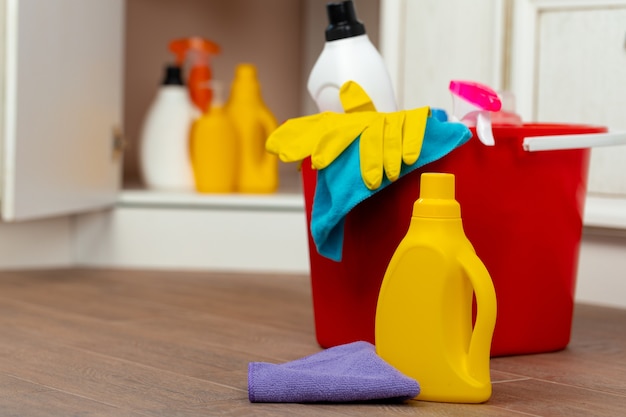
(349,55)
(164,157)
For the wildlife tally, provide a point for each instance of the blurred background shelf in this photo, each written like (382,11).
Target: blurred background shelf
(285,201)
(606,212)
(283,38)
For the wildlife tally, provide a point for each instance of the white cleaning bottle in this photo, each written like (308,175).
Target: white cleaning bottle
(349,55)
(164,156)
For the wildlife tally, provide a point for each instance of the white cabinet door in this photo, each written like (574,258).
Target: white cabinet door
(61,106)
(582,79)
(428,43)
(569,65)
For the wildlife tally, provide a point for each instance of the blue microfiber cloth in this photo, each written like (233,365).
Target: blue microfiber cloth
(340,186)
(345,373)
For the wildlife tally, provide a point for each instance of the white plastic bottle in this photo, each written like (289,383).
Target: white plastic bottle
(164,156)
(349,54)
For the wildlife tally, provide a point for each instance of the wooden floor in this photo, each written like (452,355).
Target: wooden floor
(139,343)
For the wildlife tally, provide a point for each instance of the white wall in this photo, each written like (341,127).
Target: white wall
(602,268)
(36,244)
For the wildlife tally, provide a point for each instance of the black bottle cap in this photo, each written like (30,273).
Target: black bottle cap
(342,21)
(173,75)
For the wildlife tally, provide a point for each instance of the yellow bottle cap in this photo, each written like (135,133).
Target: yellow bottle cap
(437,197)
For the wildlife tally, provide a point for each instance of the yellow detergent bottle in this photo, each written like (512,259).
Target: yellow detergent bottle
(254,122)
(424,312)
(214,148)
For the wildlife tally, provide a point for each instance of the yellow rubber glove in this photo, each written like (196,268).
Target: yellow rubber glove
(390,140)
(295,139)
(387,139)
(354,98)
(322,136)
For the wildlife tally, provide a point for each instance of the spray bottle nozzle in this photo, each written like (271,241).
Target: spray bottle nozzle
(198,51)
(473,104)
(201,47)
(479,95)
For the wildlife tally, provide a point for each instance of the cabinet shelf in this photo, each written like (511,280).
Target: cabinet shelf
(602,212)
(605,212)
(282,201)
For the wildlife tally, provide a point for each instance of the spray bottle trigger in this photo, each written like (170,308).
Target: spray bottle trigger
(472,104)
(198,51)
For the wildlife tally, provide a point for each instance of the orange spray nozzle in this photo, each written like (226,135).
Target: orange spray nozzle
(200,46)
(198,51)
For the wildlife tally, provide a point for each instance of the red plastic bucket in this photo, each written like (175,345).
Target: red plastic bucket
(522,212)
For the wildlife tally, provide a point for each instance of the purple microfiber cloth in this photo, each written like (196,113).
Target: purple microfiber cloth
(345,373)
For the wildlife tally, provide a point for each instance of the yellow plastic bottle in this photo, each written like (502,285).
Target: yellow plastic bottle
(254,122)
(424,311)
(214,148)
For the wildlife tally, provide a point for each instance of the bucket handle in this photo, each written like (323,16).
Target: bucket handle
(581,141)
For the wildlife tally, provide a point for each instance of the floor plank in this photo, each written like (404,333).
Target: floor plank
(543,398)
(595,358)
(112,381)
(168,343)
(33,400)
